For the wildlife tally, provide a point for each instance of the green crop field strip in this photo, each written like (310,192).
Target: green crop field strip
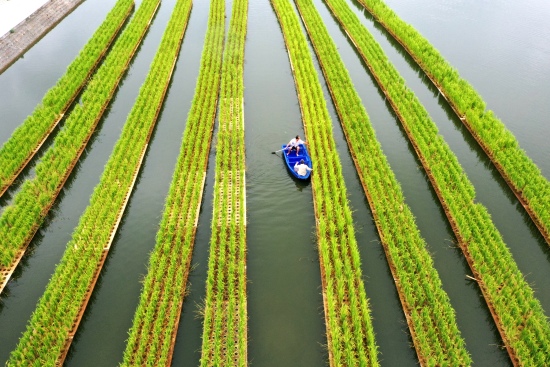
(20,221)
(429,314)
(156,320)
(518,170)
(518,315)
(225,341)
(51,328)
(350,334)
(27,139)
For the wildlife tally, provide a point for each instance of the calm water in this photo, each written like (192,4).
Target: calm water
(501,48)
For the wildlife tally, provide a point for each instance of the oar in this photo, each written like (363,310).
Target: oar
(278,151)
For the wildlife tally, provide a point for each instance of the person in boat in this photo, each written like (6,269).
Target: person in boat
(302,168)
(294,145)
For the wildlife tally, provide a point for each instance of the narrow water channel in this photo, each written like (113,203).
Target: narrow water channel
(187,350)
(284,296)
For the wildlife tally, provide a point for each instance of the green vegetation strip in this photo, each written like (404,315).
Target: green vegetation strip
(54,323)
(20,221)
(224,341)
(520,172)
(153,333)
(518,315)
(427,308)
(27,139)
(350,334)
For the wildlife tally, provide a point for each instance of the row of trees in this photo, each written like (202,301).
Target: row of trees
(518,315)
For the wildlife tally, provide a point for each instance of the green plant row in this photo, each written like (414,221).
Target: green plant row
(224,340)
(426,306)
(29,136)
(517,313)
(350,335)
(521,173)
(54,322)
(153,333)
(20,221)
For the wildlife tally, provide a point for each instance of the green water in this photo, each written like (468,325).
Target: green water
(501,48)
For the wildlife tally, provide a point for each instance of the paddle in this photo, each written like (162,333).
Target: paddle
(278,151)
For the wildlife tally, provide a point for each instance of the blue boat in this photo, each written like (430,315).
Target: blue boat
(292,159)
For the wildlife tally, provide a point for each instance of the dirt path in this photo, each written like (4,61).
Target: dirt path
(23,36)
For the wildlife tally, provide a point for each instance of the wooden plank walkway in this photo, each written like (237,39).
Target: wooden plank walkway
(23,36)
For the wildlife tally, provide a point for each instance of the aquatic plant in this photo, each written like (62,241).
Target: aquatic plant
(518,170)
(426,306)
(152,336)
(518,315)
(53,324)
(224,340)
(27,139)
(350,335)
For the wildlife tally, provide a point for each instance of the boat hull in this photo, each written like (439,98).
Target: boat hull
(292,158)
